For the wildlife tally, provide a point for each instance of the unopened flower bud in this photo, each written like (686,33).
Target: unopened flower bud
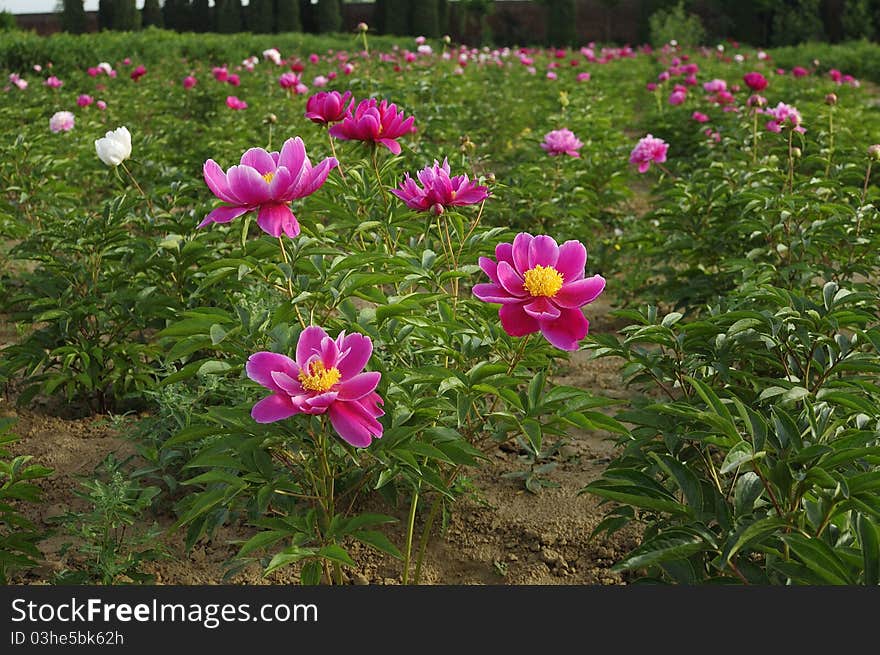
(795,152)
(437,209)
(447,39)
(270,118)
(874,152)
(490,178)
(831,99)
(363,27)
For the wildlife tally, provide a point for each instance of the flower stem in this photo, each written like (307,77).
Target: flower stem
(830,139)
(410,528)
(290,293)
(790,160)
(865,188)
(333,152)
(137,186)
(755,137)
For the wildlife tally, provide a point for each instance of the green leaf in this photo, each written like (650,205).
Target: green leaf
(262,540)
(336,553)
(379,541)
(749,533)
(740,454)
(686,480)
(673,544)
(869,540)
(289,555)
(819,558)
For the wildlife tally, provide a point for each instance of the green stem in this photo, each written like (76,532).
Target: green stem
(790,160)
(410,528)
(137,186)
(755,137)
(830,139)
(290,293)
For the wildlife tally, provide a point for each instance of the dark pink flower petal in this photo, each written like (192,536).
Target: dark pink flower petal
(543,251)
(516,322)
(358,386)
(309,344)
(354,424)
(494,293)
(489,268)
(248,185)
(542,309)
(259,159)
(292,155)
(223,214)
(580,292)
(521,244)
(277,219)
(391,144)
(215,178)
(510,280)
(355,351)
(260,367)
(287,383)
(276,407)
(566,331)
(572,260)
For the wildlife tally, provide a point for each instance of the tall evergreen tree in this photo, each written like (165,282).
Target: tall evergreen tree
(425,19)
(126,17)
(329,16)
(377,23)
(260,19)
(201,16)
(151,14)
(73,16)
(287,16)
(228,16)
(561,22)
(443,16)
(105,14)
(396,18)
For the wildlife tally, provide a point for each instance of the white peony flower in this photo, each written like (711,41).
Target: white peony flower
(115,147)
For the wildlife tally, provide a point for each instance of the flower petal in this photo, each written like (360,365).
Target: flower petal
(356,350)
(275,219)
(515,321)
(566,331)
(309,344)
(572,260)
(521,244)
(580,292)
(276,407)
(543,251)
(223,214)
(490,268)
(358,386)
(215,178)
(494,293)
(542,309)
(259,159)
(510,280)
(354,424)
(261,365)
(248,185)
(293,155)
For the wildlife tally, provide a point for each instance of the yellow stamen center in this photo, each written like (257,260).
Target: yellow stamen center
(541,281)
(268,177)
(318,378)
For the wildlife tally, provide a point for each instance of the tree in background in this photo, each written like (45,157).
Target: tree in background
(377,23)
(73,16)
(676,24)
(859,20)
(395,19)
(797,21)
(126,16)
(151,14)
(443,16)
(561,22)
(329,16)
(425,19)
(228,16)
(260,17)
(105,14)
(202,18)
(287,16)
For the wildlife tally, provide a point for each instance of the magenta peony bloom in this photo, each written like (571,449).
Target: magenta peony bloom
(189,82)
(561,142)
(648,149)
(328,107)
(53,82)
(677,97)
(268,183)
(583,77)
(755,81)
(233,80)
(700,117)
(101,105)
(715,86)
(84,100)
(233,102)
(327,377)
(375,122)
(799,71)
(61,121)
(288,80)
(783,115)
(438,190)
(541,287)
(138,73)
(220,73)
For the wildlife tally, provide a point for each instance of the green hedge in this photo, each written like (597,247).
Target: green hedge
(858,58)
(19,51)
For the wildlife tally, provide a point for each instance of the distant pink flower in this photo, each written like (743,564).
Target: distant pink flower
(663,77)
(677,97)
(783,115)
(319,81)
(347,69)
(189,82)
(541,287)
(648,149)
(101,105)
(53,82)
(267,183)
(328,106)
(583,77)
(288,80)
(220,73)
(327,377)
(84,100)
(61,121)
(562,142)
(314,59)
(756,101)
(233,80)
(300,89)
(700,117)
(126,61)
(651,86)
(755,81)
(375,122)
(138,73)
(799,71)
(439,190)
(715,86)
(551,75)
(233,102)
(93,71)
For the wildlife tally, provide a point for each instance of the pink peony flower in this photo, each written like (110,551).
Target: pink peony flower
(267,183)
(53,82)
(438,190)
(138,73)
(648,149)
(561,142)
(783,115)
(220,73)
(715,86)
(551,75)
(583,77)
(320,81)
(234,103)
(101,105)
(288,80)
(755,81)
(677,97)
(541,287)
(327,377)
(700,117)
(233,80)
(799,71)
(189,82)
(84,100)
(61,121)
(328,106)
(375,122)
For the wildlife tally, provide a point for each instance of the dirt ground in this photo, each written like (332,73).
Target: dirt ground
(500,534)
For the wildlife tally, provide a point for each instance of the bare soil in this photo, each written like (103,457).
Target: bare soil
(498,534)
